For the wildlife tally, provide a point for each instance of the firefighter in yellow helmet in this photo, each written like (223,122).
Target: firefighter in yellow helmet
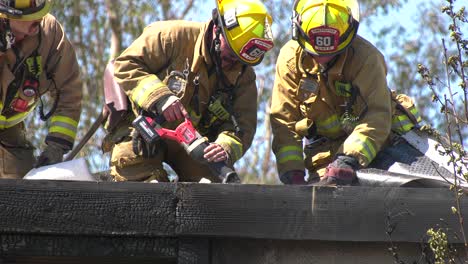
(199,70)
(331,107)
(35,58)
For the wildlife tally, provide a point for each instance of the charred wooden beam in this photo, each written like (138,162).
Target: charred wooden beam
(187,223)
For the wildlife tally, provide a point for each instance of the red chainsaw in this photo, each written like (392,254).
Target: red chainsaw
(185,134)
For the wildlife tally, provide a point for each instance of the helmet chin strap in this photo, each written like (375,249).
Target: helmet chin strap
(7,39)
(216,46)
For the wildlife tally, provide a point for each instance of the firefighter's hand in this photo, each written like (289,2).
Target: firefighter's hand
(215,153)
(293,177)
(174,111)
(342,171)
(53,153)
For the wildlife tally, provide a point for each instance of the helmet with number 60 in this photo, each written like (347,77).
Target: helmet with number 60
(24,10)
(325,27)
(246,25)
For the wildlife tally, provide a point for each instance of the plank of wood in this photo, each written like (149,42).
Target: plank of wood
(314,213)
(87,208)
(24,245)
(207,210)
(254,251)
(193,250)
(87,260)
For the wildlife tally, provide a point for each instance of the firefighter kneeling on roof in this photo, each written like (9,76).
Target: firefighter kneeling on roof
(331,90)
(201,71)
(35,58)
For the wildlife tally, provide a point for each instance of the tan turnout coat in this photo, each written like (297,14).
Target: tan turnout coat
(303,95)
(172,45)
(58,73)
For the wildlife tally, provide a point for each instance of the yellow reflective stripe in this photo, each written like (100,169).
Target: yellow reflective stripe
(289,153)
(329,126)
(64,119)
(402,123)
(236,146)
(63,125)
(144,88)
(416,114)
(14,120)
(361,144)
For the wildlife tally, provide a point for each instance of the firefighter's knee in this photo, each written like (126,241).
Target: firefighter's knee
(127,166)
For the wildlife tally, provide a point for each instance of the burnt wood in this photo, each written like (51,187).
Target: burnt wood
(23,245)
(314,213)
(87,208)
(193,223)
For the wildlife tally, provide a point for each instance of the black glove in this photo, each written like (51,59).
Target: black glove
(342,171)
(293,177)
(52,154)
(141,147)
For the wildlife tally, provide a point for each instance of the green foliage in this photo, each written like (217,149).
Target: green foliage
(439,245)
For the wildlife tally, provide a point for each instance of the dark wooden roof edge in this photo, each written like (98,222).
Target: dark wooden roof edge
(214,210)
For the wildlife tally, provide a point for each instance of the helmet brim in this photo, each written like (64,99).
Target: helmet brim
(305,39)
(220,23)
(31,17)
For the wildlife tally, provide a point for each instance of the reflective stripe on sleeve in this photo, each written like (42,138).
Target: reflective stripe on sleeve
(360,143)
(144,88)
(329,127)
(234,144)
(416,114)
(401,124)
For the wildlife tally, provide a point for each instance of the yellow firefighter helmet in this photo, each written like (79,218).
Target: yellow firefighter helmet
(325,27)
(246,25)
(24,10)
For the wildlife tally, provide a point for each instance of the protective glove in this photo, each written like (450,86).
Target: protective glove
(170,107)
(342,171)
(293,177)
(52,154)
(141,147)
